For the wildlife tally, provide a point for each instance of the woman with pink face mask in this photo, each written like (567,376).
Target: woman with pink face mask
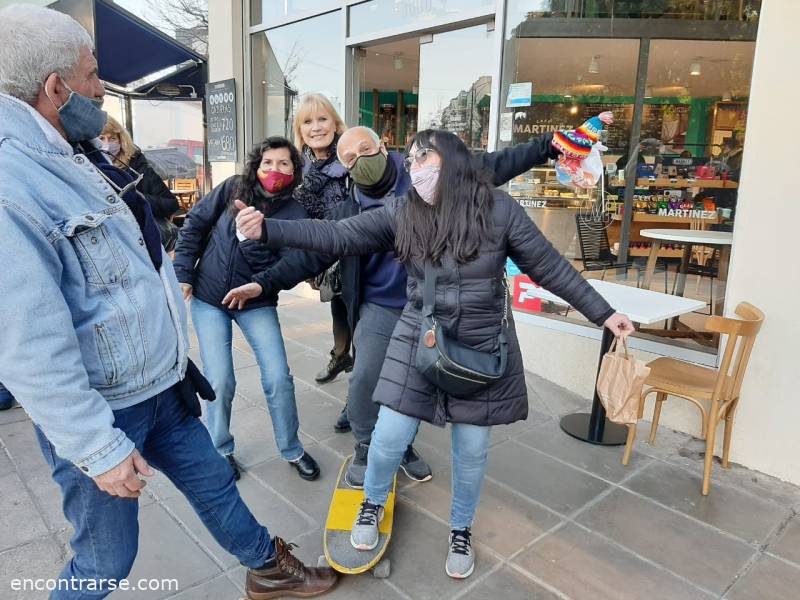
(231,279)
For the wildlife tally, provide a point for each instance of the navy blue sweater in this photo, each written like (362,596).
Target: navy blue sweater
(384,278)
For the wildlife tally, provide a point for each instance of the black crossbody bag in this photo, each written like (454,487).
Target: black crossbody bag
(447,363)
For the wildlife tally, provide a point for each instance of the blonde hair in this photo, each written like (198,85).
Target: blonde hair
(309,105)
(126,147)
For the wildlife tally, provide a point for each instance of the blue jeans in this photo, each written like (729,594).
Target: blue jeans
(470,450)
(6,399)
(106,527)
(214,327)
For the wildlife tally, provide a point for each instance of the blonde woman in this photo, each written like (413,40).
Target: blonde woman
(118,145)
(317,127)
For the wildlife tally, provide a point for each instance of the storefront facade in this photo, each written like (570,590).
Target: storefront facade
(676,74)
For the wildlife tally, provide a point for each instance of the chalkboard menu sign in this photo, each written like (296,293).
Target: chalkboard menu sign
(221,116)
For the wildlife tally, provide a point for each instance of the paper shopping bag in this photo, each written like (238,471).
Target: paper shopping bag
(620,383)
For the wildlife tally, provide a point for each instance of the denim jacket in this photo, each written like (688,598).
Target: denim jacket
(87,325)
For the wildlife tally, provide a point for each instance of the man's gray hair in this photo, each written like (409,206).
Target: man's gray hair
(35,42)
(373,136)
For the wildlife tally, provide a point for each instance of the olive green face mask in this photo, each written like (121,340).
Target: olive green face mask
(368,168)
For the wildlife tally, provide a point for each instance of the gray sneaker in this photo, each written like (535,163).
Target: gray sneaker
(414,467)
(357,469)
(365,529)
(460,559)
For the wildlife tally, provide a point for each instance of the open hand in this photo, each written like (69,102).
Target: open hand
(238,297)
(619,325)
(123,480)
(249,221)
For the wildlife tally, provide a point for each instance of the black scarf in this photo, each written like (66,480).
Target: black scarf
(380,189)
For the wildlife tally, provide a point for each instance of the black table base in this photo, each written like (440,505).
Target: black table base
(595,428)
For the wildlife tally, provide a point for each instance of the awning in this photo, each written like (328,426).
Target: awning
(129,49)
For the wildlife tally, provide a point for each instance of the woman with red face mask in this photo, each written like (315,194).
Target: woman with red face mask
(231,279)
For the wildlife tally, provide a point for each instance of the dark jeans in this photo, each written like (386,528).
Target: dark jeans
(341,328)
(6,399)
(373,332)
(106,536)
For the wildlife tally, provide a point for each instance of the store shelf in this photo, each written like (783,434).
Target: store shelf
(644,182)
(648,218)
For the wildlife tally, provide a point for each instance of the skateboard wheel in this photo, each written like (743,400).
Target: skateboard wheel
(322,561)
(382,569)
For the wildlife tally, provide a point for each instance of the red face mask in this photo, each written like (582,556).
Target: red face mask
(274,181)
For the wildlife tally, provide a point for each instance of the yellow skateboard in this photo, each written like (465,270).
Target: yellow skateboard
(339,552)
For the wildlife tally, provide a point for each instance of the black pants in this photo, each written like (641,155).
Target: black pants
(341,328)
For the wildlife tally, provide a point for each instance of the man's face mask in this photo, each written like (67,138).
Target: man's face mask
(368,169)
(81,118)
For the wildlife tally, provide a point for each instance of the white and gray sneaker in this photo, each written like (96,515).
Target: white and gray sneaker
(460,559)
(365,528)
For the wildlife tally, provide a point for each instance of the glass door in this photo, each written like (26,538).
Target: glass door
(455,83)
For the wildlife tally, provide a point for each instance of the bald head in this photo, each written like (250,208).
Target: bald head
(355,142)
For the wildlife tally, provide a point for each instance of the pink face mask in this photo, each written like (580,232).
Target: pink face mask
(424,181)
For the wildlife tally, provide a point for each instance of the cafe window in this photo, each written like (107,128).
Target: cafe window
(272,12)
(674,150)
(290,61)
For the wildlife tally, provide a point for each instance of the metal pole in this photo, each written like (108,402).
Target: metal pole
(633,148)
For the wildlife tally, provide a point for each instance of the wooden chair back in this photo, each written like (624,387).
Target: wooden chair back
(185,185)
(738,348)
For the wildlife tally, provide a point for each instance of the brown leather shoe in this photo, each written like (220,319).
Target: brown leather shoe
(289,577)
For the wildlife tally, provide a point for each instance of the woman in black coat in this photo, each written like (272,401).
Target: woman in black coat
(118,144)
(452,219)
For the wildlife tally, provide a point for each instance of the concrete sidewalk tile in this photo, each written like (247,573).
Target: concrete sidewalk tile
(166,552)
(584,566)
(41,558)
(603,461)
(20,522)
(242,356)
(317,413)
(5,464)
(500,433)
(16,414)
(788,543)
(312,497)
(768,579)
(542,478)
(729,509)
(418,552)
(252,431)
(508,584)
(699,553)
(219,588)
(504,521)
(552,398)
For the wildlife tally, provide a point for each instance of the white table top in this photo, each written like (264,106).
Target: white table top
(641,306)
(690,236)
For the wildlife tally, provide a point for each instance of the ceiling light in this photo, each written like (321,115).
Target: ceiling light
(573,110)
(594,67)
(727,96)
(694,68)
(648,91)
(398,63)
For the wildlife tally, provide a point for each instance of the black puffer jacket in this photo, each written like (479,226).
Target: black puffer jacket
(210,257)
(469,304)
(162,202)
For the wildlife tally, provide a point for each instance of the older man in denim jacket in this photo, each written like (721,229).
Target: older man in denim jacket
(94,327)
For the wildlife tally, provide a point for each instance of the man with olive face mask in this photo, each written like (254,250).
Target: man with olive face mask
(374,287)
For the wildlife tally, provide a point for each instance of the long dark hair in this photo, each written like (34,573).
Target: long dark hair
(249,186)
(459,219)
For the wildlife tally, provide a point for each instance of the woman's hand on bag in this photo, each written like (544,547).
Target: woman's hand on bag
(238,297)
(187,291)
(249,221)
(619,325)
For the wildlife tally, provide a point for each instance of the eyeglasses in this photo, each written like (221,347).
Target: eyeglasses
(419,156)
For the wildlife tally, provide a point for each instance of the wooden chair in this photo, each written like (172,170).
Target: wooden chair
(186,192)
(718,387)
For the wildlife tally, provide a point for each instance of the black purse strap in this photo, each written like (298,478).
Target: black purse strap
(429,288)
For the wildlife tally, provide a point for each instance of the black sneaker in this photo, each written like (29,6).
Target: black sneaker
(335,366)
(357,469)
(414,466)
(342,424)
(235,466)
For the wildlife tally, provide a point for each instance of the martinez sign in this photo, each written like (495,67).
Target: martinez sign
(691,214)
